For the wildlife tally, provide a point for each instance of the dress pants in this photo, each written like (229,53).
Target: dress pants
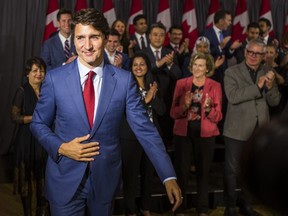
(83,203)
(135,162)
(202,151)
(233,151)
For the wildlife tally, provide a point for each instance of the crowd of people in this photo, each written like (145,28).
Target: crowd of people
(96,127)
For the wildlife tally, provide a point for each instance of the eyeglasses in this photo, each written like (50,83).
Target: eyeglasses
(252,53)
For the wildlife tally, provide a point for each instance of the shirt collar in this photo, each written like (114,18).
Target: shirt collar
(63,39)
(83,70)
(154,49)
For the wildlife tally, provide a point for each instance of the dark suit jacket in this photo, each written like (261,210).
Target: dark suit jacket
(53,52)
(216,52)
(137,46)
(61,103)
(180,57)
(239,53)
(166,77)
(125,60)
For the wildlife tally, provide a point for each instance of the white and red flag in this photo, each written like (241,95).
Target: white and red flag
(214,7)
(164,16)
(136,9)
(265,11)
(241,21)
(51,19)
(189,22)
(81,4)
(109,11)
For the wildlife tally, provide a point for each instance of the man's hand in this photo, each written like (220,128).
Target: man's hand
(79,151)
(225,41)
(118,60)
(174,193)
(71,58)
(269,79)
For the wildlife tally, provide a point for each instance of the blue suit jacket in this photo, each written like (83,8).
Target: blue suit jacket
(53,52)
(61,104)
(125,60)
(216,52)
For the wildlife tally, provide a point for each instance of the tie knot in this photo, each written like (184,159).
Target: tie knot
(176,47)
(91,74)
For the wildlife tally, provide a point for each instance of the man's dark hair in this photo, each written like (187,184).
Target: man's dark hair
(157,25)
(138,17)
(63,11)
(220,14)
(253,25)
(91,16)
(175,27)
(267,21)
(114,32)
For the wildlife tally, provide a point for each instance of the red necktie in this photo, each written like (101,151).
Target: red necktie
(157,55)
(89,97)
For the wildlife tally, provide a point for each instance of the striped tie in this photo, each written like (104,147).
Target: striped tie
(67,49)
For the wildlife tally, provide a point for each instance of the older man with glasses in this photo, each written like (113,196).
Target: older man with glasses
(249,90)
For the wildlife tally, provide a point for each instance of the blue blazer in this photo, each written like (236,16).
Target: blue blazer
(61,103)
(53,52)
(125,60)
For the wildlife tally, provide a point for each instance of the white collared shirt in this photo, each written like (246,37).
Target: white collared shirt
(63,39)
(217,31)
(97,80)
(111,58)
(154,49)
(138,36)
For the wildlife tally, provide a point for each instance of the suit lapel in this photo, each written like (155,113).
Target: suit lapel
(107,90)
(245,73)
(73,85)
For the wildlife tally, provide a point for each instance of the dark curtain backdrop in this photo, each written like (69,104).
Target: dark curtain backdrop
(22,27)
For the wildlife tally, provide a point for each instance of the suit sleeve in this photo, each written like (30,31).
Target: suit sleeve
(45,55)
(235,93)
(177,111)
(43,119)
(147,133)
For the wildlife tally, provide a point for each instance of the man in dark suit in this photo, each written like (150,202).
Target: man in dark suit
(181,48)
(249,89)
(84,165)
(140,38)
(59,49)
(111,55)
(252,32)
(165,68)
(265,28)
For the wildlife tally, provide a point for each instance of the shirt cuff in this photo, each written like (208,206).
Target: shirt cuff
(170,178)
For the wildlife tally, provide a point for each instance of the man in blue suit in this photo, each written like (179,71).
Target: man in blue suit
(53,50)
(84,165)
(220,41)
(111,55)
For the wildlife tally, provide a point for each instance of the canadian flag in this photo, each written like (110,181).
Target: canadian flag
(136,9)
(214,7)
(109,11)
(164,16)
(51,19)
(241,21)
(189,22)
(81,4)
(265,11)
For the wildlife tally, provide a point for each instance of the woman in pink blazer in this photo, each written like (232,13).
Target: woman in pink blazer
(196,109)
